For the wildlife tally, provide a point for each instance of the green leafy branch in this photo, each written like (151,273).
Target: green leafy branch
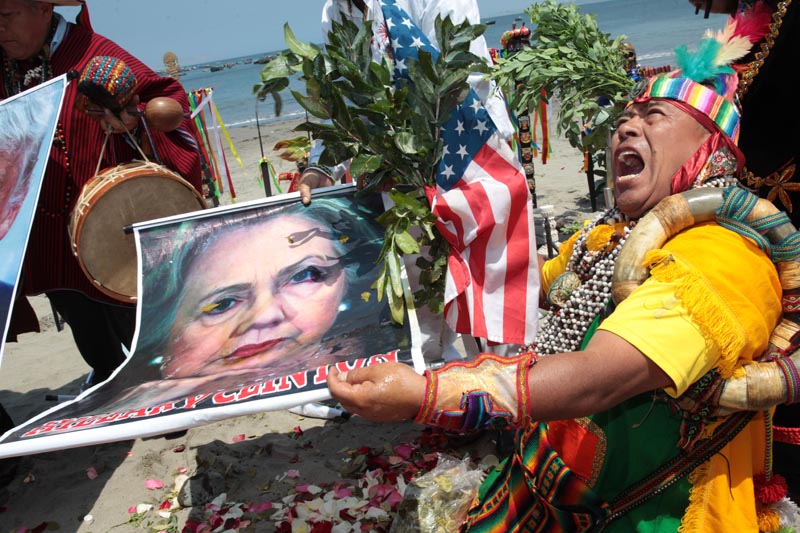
(573,61)
(295,149)
(388,128)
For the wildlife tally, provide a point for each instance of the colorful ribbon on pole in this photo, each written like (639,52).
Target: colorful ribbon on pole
(211,127)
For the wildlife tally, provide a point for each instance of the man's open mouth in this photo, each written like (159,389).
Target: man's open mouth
(628,164)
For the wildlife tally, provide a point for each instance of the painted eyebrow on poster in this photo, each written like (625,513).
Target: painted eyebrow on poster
(241,310)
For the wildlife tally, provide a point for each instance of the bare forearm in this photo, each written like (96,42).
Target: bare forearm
(559,386)
(606,373)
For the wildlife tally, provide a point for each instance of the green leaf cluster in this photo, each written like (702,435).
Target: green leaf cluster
(389,128)
(410,229)
(575,63)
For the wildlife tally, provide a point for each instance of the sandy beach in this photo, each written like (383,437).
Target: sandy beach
(267,461)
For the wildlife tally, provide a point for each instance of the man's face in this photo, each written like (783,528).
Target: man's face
(630,56)
(23,27)
(653,140)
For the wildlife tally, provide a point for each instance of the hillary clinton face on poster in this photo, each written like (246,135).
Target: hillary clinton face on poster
(22,129)
(263,294)
(242,297)
(241,309)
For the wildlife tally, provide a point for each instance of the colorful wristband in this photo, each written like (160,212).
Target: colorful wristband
(489,390)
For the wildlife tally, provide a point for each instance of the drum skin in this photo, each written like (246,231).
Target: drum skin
(118,197)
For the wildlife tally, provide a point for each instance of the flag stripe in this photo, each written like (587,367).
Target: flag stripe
(478,202)
(521,264)
(500,301)
(509,240)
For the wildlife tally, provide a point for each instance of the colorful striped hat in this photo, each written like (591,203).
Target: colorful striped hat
(108,81)
(705,80)
(720,108)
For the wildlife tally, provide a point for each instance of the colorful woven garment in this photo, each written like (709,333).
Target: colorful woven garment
(560,500)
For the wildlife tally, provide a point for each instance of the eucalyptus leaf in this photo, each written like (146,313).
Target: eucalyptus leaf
(278,67)
(314,107)
(297,46)
(380,283)
(395,279)
(406,243)
(408,142)
(365,164)
(427,67)
(407,202)
(396,306)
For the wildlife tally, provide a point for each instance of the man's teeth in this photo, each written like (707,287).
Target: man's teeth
(629,164)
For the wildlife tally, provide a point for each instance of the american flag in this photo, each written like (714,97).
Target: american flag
(483,209)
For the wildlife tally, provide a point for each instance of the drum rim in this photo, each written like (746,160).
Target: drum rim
(81,210)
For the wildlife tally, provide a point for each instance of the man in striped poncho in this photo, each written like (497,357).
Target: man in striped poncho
(38,44)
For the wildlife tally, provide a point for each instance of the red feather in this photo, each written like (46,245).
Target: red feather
(753,22)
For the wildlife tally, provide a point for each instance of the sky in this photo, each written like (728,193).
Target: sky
(200,31)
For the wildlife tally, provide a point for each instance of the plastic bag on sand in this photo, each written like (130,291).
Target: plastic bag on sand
(438,501)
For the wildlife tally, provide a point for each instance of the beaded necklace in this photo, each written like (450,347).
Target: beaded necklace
(38,68)
(60,141)
(583,291)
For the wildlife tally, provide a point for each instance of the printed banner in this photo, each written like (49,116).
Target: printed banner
(27,124)
(241,310)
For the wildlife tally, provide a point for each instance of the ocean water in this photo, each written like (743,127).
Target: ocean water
(655,27)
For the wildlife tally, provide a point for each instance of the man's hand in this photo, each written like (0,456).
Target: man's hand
(387,392)
(312,179)
(109,121)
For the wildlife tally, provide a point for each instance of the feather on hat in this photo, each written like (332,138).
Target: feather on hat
(706,80)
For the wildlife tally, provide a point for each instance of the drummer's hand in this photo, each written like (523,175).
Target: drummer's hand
(108,120)
(386,392)
(312,179)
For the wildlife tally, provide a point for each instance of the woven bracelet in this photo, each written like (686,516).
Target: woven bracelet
(790,373)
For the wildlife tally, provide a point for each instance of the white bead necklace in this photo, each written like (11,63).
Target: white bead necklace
(565,327)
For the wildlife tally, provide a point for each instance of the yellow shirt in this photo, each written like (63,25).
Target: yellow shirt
(717,309)
(712,300)
(735,303)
